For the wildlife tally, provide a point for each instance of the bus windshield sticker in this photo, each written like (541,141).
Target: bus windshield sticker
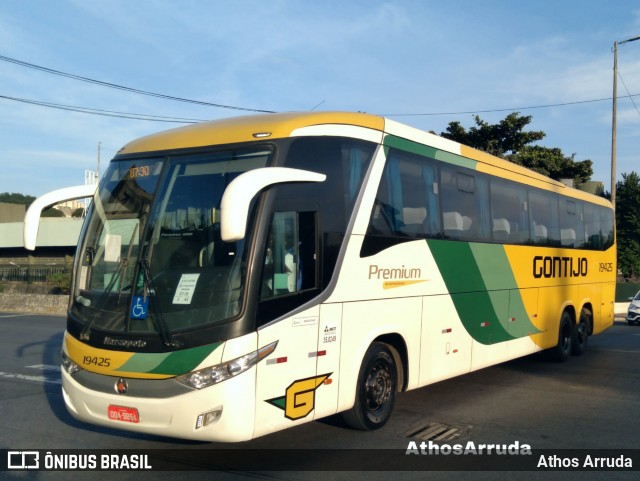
(83,277)
(305,321)
(185,289)
(139,307)
(112,247)
(330,333)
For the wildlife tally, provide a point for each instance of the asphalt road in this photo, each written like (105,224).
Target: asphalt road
(589,402)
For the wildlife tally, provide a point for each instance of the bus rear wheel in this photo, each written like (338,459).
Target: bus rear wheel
(581,333)
(563,349)
(375,391)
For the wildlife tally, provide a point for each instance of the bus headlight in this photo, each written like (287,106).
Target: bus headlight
(68,365)
(221,372)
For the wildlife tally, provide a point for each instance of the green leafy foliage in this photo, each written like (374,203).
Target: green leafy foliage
(628,224)
(501,139)
(15,198)
(62,280)
(553,163)
(79,212)
(508,140)
(52,212)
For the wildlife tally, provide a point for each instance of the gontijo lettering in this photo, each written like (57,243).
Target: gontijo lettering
(559,267)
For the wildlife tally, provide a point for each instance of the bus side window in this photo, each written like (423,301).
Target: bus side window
(407,202)
(544,222)
(571,223)
(289,264)
(509,212)
(465,204)
(607,222)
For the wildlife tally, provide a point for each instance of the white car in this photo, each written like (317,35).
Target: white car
(633,314)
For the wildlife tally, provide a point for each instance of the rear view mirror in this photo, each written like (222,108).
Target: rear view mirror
(32,217)
(234,207)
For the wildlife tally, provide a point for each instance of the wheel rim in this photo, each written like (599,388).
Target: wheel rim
(379,386)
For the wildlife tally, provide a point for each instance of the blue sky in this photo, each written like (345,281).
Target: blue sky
(399,58)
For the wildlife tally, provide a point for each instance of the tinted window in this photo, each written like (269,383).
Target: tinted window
(421,197)
(407,200)
(290,258)
(465,205)
(510,220)
(571,223)
(606,220)
(544,224)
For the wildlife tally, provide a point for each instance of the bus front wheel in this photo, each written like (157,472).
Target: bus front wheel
(375,391)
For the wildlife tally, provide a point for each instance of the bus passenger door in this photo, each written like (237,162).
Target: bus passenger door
(287,380)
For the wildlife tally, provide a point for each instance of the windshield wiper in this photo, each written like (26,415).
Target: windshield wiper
(158,319)
(119,276)
(85,334)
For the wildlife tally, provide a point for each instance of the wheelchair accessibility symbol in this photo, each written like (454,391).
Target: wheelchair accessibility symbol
(139,307)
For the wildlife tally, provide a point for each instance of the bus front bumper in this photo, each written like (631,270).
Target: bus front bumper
(223,412)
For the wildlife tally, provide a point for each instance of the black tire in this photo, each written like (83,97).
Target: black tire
(562,351)
(375,391)
(581,333)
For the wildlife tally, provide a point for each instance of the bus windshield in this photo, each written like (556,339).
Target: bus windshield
(151,259)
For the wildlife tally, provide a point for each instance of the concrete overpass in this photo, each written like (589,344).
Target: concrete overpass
(57,240)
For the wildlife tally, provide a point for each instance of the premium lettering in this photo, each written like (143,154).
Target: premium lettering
(376,272)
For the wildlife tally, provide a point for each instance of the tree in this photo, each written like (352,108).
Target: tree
(553,163)
(15,198)
(507,140)
(501,139)
(79,212)
(52,212)
(628,224)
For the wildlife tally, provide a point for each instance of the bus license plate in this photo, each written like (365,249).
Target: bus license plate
(122,413)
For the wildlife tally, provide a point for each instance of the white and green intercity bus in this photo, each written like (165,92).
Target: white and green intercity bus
(238,277)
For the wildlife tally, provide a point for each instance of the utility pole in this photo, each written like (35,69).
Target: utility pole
(613,125)
(614,114)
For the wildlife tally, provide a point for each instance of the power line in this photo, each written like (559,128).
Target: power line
(157,118)
(106,113)
(122,87)
(563,104)
(182,120)
(209,104)
(630,96)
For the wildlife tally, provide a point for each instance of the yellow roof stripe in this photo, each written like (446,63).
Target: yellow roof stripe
(242,129)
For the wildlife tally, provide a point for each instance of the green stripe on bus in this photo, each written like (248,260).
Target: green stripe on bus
(143,362)
(184,361)
(430,152)
(173,363)
(497,275)
(482,312)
